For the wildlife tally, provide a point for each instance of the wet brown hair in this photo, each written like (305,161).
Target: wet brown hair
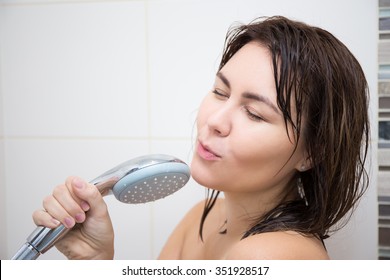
(317,75)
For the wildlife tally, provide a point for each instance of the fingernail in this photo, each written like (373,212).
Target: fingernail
(85,206)
(80,217)
(55,222)
(78,183)
(69,222)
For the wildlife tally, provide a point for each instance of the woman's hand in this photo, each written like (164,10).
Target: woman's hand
(80,206)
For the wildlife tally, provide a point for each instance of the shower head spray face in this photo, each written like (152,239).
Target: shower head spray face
(139,180)
(144,179)
(150,184)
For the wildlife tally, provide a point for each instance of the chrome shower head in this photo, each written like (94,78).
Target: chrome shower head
(139,180)
(144,179)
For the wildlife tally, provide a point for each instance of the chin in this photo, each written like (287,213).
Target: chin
(205,179)
(208,174)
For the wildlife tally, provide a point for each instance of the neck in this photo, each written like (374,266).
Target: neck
(244,209)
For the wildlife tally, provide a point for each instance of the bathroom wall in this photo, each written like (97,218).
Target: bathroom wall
(86,85)
(3,240)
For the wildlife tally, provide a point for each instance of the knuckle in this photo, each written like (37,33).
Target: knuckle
(35,214)
(95,194)
(47,200)
(59,190)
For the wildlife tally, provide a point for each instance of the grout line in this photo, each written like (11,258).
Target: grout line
(149,116)
(62,2)
(97,138)
(147,72)
(3,192)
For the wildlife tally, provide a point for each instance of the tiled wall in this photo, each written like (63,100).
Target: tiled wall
(3,238)
(384,129)
(86,85)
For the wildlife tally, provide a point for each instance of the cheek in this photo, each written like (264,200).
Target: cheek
(261,165)
(267,147)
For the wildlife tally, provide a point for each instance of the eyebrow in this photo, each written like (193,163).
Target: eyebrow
(250,95)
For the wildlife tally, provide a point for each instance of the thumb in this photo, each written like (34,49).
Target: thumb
(91,199)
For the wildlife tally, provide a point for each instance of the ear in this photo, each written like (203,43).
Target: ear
(304,164)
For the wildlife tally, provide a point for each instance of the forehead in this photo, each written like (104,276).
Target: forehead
(250,69)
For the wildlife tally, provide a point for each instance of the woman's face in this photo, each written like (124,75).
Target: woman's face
(242,143)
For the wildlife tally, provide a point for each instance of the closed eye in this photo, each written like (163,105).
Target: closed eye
(253,116)
(220,94)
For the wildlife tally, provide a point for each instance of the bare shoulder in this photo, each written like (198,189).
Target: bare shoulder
(278,246)
(196,212)
(175,243)
(184,241)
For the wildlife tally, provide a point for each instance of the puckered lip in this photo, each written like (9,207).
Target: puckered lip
(206,151)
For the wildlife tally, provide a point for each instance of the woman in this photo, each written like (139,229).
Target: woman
(283,134)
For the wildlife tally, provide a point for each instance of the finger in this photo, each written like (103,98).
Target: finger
(69,184)
(70,202)
(91,196)
(42,218)
(64,206)
(57,211)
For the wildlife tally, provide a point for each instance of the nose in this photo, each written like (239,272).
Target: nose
(219,121)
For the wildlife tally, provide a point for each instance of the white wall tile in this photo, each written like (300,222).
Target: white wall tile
(184,54)
(39,2)
(384,157)
(3,209)
(383,183)
(3,205)
(358,240)
(74,69)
